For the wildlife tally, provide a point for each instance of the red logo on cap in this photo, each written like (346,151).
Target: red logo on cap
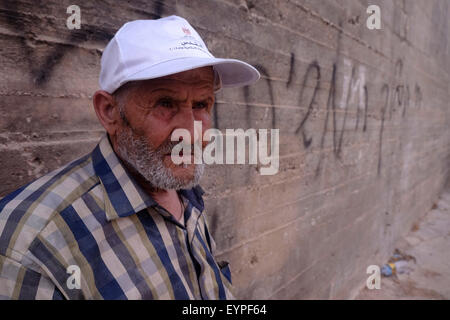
(186,31)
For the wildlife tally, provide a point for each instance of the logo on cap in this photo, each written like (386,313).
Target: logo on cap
(186,31)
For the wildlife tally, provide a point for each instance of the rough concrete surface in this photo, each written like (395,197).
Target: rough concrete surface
(429,243)
(363,115)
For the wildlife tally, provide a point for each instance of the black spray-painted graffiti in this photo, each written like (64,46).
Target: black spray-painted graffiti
(42,72)
(395,95)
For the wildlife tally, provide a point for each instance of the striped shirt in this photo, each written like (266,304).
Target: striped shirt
(89,220)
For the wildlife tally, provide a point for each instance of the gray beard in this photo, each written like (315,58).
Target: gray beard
(149,162)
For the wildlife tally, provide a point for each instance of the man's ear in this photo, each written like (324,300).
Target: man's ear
(106,110)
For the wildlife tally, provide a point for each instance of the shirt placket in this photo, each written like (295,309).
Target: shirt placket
(188,229)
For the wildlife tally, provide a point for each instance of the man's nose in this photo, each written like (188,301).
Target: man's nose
(187,122)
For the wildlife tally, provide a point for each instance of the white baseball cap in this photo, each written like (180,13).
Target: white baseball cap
(148,49)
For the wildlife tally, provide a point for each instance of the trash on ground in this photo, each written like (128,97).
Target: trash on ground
(397,264)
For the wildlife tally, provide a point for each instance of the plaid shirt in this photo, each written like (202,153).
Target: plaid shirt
(91,214)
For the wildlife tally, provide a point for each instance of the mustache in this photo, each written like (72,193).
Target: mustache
(168,145)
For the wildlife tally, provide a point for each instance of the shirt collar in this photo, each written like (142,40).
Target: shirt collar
(123,195)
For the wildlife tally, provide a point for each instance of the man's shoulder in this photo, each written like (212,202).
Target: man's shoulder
(26,211)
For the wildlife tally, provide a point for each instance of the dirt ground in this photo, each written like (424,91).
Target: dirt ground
(429,244)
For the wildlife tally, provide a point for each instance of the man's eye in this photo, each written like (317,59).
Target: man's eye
(200,105)
(165,103)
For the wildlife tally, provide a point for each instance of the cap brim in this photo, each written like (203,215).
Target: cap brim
(232,72)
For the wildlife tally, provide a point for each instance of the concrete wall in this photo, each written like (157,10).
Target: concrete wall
(363,115)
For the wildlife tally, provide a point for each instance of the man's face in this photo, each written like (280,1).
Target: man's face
(153,110)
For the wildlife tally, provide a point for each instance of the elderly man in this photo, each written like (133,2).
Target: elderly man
(126,222)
